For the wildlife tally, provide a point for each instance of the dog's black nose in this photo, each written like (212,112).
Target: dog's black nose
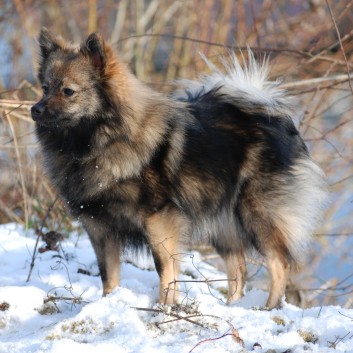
(37,110)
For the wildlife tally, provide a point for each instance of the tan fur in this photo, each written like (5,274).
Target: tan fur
(118,75)
(164,231)
(252,161)
(236,273)
(279,269)
(112,263)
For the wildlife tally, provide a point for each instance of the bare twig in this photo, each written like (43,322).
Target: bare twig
(210,340)
(342,181)
(179,317)
(334,234)
(234,333)
(333,45)
(317,80)
(16,103)
(20,167)
(284,51)
(351,318)
(74,300)
(39,233)
(337,340)
(341,44)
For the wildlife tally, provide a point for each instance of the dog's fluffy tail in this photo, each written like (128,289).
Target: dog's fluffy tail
(246,81)
(299,210)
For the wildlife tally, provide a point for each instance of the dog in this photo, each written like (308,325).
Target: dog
(220,162)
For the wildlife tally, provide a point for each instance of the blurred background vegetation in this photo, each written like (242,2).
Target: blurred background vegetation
(310,45)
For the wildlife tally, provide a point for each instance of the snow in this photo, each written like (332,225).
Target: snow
(61,308)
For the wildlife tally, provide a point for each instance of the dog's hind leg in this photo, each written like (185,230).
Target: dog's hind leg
(112,267)
(163,231)
(236,274)
(279,268)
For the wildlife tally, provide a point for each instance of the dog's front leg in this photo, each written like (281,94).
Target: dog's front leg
(107,249)
(164,229)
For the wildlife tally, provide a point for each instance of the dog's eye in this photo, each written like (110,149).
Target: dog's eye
(45,89)
(68,92)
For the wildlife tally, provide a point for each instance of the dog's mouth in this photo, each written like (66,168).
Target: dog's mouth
(54,119)
(57,123)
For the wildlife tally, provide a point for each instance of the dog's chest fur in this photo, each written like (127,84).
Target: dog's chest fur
(89,175)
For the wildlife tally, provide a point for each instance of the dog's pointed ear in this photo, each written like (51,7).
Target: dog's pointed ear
(95,48)
(48,42)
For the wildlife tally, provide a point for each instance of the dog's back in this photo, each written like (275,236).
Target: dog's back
(250,163)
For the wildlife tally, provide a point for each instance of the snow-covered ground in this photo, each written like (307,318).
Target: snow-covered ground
(61,309)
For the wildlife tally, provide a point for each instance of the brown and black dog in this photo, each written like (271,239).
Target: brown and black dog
(219,163)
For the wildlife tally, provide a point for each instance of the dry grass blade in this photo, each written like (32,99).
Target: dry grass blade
(177,316)
(6,115)
(341,44)
(234,334)
(39,233)
(236,337)
(12,103)
(334,80)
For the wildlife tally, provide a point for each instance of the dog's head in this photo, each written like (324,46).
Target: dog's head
(74,79)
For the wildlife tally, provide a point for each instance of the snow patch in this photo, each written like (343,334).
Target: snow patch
(61,309)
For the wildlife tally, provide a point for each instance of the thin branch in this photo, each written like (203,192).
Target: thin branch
(342,181)
(74,300)
(20,167)
(317,80)
(285,51)
(17,103)
(39,233)
(333,45)
(333,234)
(338,340)
(351,318)
(235,335)
(179,317)
(341,44)
(210,340)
